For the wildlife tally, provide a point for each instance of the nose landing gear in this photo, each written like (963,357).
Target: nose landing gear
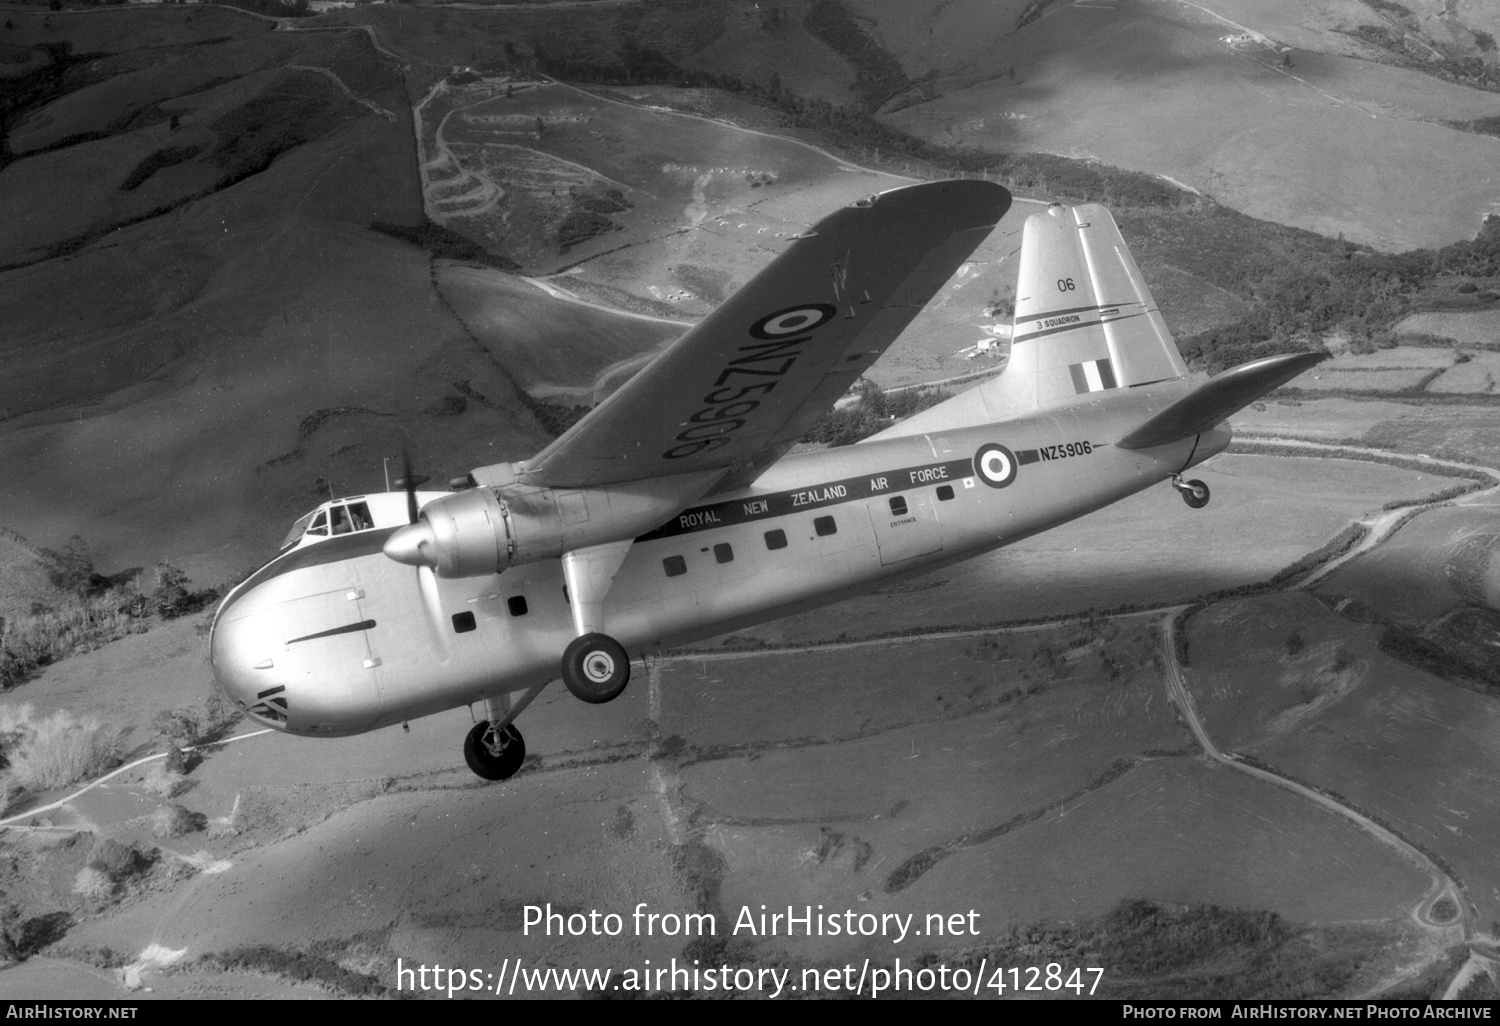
(495,749)
(494,754)
(1194,493)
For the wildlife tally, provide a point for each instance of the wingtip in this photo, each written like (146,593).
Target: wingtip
(976,200)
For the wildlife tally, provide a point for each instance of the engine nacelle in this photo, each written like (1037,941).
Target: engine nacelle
(483,530)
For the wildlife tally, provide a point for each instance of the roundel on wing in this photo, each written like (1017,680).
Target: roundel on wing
(995,465)
(792,320)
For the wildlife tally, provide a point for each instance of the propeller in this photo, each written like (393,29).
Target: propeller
(406,546)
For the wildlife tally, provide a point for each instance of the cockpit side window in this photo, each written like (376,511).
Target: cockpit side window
(319,525)
(340,518)
(359,516)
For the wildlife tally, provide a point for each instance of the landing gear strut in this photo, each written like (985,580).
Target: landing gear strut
(494,749)
(595,666)
(1194,493)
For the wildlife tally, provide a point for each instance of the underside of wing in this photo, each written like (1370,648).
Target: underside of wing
(751,378)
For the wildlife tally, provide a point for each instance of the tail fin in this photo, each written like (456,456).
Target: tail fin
(1085,320)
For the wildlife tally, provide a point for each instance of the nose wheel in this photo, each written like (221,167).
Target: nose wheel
(494,754)
(1194,493)
(595,668)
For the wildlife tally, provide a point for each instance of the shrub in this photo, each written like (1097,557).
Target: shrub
(189,726)
(73,570)
(173,820)
(91,883)
(117,861)
(58,750)
(165,782)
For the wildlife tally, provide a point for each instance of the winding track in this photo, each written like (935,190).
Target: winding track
(1443,884)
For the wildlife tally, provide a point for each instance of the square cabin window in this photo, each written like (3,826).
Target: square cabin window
(724,553)
(776,539)
(898,506)
(675,566)
(517,605)
(945,492)
(463,623)
(825,526)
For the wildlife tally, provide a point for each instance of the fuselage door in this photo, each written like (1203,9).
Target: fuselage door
(906,525)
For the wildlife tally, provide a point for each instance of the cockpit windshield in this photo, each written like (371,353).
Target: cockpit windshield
(295,534)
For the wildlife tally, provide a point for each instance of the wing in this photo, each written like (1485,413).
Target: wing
(751,378)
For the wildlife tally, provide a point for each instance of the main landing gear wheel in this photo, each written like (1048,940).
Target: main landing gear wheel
(1194,493)
(595,668)
(494,755)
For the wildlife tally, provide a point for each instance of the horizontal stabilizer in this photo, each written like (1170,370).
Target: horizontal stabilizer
(1218,398)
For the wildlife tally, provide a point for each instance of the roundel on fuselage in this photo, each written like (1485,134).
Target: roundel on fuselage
(995,465)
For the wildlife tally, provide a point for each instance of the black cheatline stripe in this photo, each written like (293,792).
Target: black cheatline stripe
(757,508)
(1025,456)
(348,628)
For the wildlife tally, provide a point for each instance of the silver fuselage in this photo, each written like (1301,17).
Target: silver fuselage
(336,638)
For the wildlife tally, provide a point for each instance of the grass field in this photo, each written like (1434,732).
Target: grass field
(1414,751)
(548,347)
(1185,833)
(1478,374)
(1474,328)
(1359,379)
(1443,559)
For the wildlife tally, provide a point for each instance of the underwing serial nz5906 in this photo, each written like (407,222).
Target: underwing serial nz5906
(668,513)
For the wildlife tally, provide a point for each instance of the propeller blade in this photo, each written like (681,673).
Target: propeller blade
(411,487)
(427,584)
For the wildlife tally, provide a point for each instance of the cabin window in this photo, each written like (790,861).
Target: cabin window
(945,492)
(463,622)
(320,524)
(898,506)
(776,539)
(724,552)
(825,526)
(517,605)
(675,566)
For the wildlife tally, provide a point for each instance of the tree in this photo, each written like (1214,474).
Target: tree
(171,596)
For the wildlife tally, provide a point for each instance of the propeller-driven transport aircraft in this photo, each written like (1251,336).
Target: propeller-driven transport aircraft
(669,514)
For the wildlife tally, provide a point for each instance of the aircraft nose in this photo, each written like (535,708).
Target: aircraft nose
(414,545)
(243,668)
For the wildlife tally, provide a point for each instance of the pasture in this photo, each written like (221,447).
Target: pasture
(1329,144)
